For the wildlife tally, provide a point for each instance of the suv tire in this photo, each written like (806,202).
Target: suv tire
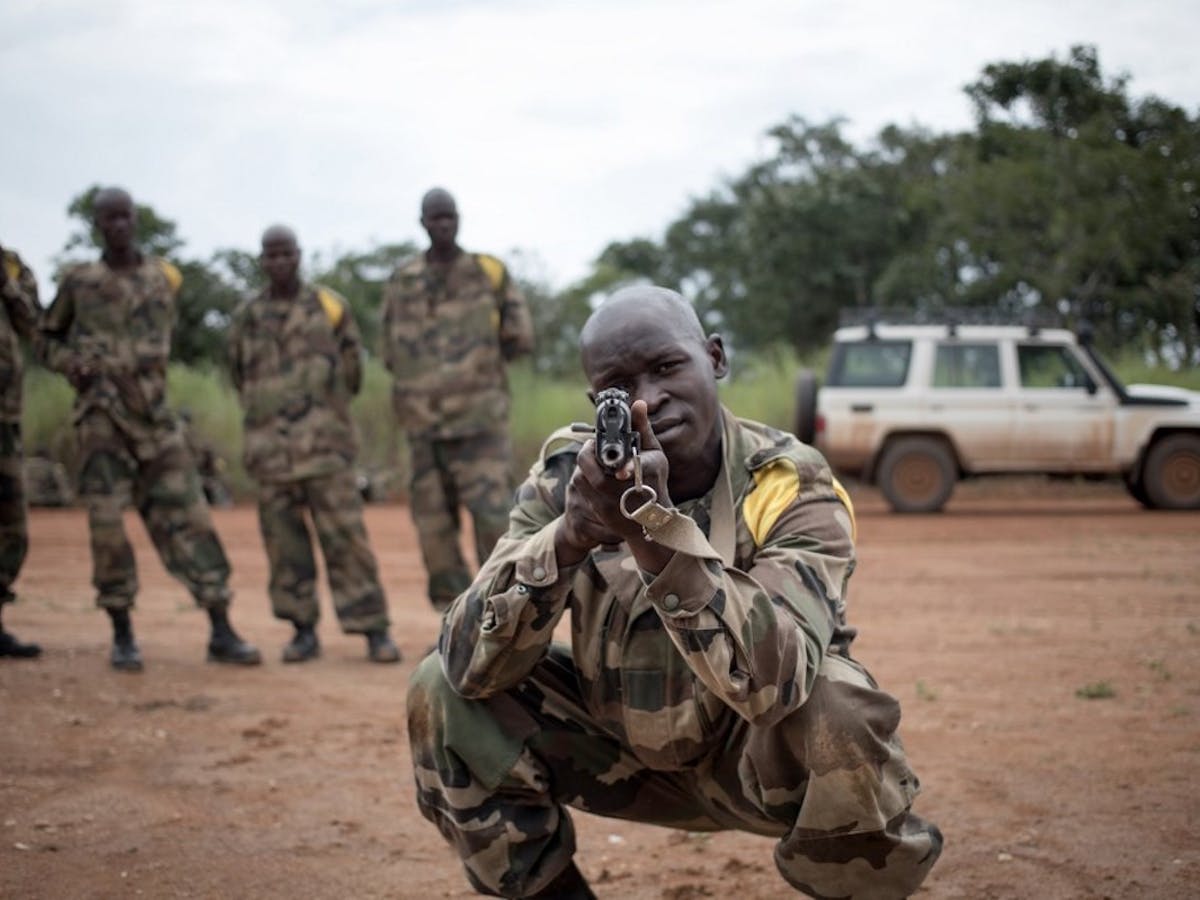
(1171,477)
(917,474)
(805,424)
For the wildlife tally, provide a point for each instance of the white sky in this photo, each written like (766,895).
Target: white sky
(558,126)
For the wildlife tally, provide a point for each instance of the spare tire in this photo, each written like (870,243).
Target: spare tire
(804,425)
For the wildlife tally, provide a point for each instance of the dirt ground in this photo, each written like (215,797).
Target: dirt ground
(194,780)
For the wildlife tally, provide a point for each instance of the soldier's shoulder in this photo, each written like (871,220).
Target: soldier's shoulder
(493,267)
(764,444)
(410,266)
(169,271)
(333,303)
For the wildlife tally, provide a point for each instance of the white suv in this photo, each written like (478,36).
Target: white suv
(914,408)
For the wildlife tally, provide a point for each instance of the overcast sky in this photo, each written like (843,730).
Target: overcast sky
(559,126)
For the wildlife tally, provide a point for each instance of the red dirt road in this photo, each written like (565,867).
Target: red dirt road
(193,780)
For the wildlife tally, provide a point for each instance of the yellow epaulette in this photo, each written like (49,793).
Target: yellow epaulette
(776,486)
(12,266)
(333,304)
(493,269)
(174,276)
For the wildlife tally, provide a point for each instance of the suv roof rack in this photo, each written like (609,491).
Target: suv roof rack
(952,317)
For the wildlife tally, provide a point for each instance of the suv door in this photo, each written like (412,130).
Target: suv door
(1064,418)
(863,393)
(967,401)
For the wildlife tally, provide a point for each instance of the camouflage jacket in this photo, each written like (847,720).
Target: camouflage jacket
(296,363)
(670,663)
(117,323)
(18,317)
(447,334)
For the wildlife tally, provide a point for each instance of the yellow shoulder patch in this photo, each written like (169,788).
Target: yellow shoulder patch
(493,269)
(12,268)
(844,496)
(174,276)
(333,304)
(776,486)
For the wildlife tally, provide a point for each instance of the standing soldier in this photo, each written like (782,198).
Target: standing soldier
(109,332)
(18,290)
(451,321)
(296,360)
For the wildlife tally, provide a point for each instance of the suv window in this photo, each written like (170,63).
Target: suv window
(1050,366)
(966,366)
(870,364)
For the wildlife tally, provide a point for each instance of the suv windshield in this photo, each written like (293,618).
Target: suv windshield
(870,364)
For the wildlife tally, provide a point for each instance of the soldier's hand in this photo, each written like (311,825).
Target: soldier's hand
(602,490)
(79,373)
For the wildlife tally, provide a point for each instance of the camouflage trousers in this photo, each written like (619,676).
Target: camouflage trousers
(472,471)
(830,782)
(335,507)
(158,477)
(14,534)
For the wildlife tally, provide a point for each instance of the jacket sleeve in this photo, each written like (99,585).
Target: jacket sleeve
(350,350)
(233,343)
(390,305)
(499,628)
(19,294)
(756,638)
(51,344)
(516,324)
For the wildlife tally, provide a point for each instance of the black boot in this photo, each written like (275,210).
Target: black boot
(125,655)
(225,646)
(303,646)
(569,885)
(381,648)
(10,646)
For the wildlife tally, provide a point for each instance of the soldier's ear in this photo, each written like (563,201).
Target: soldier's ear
(715,348)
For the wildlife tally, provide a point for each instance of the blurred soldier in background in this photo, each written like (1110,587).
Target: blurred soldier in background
(109,332)
(18,299)
(46,481)
(296,360)
(451,320)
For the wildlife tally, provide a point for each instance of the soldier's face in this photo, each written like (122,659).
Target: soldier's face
(115,220)
(439,218)
(280,262)
(649,354)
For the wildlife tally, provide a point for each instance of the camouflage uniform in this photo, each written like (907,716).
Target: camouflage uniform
(296,363)
(109,331)
(18,315)
(448,331)
(719,694)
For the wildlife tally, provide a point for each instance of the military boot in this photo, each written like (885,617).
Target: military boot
(381,648)
(569,885)
(10,646)
(224,646)
(303,646)
(125,655)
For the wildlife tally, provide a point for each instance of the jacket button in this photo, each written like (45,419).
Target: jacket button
(539,573)
(670,602)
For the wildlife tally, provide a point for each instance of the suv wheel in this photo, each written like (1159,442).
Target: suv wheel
(1171,477)
(917,474)
(805,424)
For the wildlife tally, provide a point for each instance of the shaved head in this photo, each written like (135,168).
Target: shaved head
(437,198)
(662,304)
(110,198)
(279,234)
